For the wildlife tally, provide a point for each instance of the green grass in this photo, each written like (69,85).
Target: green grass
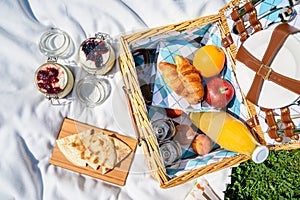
(277,178)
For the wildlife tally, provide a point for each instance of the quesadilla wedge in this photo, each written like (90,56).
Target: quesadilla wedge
(72,148)
(100,149)
(96,149)
(122,149)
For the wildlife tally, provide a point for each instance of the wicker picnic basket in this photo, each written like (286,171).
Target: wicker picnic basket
(139,114)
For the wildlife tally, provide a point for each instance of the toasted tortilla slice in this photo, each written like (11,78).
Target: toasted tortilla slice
(103,170)
(100,150)
(96,149)
(122,150)
(72,148)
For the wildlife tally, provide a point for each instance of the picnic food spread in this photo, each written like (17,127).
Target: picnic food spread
(95,149)
(195,153)
(201,81)
(193,88)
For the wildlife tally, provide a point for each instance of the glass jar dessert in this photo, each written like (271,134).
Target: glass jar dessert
(54,80)
(96,55)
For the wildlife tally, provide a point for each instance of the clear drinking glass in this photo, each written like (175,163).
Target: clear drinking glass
(170,152)
(164,129)
(92,90)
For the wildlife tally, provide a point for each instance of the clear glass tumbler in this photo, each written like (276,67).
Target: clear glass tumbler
(164,129)
(93,91)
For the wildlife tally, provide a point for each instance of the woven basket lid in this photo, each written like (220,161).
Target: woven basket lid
(286,62)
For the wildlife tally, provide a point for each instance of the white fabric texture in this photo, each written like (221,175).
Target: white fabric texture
(29,125)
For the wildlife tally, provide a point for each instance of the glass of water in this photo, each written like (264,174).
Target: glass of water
(164,129)
(93,91)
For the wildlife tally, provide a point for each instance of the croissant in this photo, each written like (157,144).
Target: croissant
(183,78)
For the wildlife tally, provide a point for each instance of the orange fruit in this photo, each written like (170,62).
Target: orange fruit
(209,60)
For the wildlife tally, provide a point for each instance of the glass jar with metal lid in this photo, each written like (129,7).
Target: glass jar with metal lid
(170,152)
(52,79)
(56,43)
(96,54)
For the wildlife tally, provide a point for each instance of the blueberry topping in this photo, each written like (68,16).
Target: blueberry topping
(88,47)
(90,56)
(99,60)
(94,50)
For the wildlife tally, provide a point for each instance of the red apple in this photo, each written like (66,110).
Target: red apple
(219,92)
(202,144)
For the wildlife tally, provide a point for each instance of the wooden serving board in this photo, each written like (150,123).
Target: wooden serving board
(116,176)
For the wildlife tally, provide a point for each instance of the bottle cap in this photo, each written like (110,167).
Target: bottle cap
(260,154)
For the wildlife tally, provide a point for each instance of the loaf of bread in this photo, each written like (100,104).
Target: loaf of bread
(183,78)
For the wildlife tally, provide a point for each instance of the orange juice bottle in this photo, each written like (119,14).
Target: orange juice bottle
(229,133)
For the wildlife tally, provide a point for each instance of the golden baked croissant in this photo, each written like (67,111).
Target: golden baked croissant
(183,78)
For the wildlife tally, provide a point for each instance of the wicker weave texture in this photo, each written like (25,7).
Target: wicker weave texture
(139,113)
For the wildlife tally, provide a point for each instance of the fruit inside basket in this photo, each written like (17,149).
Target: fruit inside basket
(164,102)
(152,97)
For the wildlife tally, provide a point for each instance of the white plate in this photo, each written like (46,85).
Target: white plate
(286,62)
